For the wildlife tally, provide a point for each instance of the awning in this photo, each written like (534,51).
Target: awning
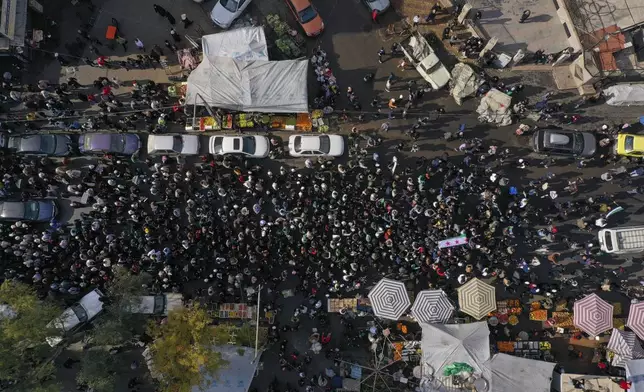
(593,315)
(389,299)
(477,298)
(445,344)
(625,346)
(507,373)
(636,319)
(432,306)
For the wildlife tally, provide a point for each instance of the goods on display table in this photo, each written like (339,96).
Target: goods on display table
(296,122)
(336,305)
(236,311)
(288,40)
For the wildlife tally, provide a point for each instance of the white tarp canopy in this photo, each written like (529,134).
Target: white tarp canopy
(444,344)
(236,74)
(635,374)
(495,108)
(464,82)
(238,373)
(506,373)
(246,44)
(625,95)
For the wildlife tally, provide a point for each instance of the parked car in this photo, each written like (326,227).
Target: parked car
(564,142)
(307,16)
(157,304)
(377,5)
(109,143)
(423,57)
(52,145)
(310,145)
(173,145)
(78,314)
(251,146)
(225,12)
(35,210)
(630,145)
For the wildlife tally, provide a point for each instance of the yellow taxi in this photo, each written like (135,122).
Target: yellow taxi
(630,145)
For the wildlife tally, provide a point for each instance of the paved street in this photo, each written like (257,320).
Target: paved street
(352,41)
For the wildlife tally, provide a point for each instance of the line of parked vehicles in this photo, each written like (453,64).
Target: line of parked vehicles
(127,144)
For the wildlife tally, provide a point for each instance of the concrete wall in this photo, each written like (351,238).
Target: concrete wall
(564,16)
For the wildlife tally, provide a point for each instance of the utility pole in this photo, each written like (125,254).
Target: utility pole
(259,296)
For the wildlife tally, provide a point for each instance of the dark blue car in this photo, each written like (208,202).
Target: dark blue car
(35,210)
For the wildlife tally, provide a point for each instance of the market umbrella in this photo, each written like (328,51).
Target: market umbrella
(432,306)
(477,298)
(593,315)
(636,319)
(389,299)
(625,346)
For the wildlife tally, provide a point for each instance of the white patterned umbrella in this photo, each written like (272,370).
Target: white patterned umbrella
(432,306)
(593,315)
(477,298)
(389,299)
(625,346)
(636,319)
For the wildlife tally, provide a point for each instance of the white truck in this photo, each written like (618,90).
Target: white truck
(157,304)
(83,311)
(424,59)
(622,240)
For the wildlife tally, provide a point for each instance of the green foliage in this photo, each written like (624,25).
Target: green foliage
(183,350)
(24,354)
(98,370)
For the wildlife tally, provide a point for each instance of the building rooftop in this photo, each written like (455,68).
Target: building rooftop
(592,15)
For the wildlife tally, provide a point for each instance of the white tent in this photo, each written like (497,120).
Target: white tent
(635,374)
(245,44)
(444,344)
(238,373)
(625,94)
(506,373)
(236,74)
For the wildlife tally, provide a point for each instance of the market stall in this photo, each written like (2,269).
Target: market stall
(495,108)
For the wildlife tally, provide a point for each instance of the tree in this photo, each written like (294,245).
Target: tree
(24,353)
(118,325)
(98,370)
(183,350)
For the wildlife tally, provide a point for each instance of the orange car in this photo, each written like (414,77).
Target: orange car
(307,16)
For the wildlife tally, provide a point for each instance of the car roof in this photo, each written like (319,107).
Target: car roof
(638,142)
(92,303)
(310,143)
(12,209)
(300,4)
(162,142)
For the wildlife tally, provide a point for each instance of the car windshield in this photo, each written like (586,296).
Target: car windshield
(297,144)
(230,5)
(307,14)
(578,143)
(629,143)
(249,145)
(32,208)
(117,143)
(48,144)
(80,312)
(325,144)
(177,144)
(217,147)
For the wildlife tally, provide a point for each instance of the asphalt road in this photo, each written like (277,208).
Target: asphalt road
(352,42)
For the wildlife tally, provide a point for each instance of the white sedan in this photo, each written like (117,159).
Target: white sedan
(173,145)
(226,11)
(251,146)
(310,145)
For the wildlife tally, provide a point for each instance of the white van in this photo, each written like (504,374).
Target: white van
(622,240)
(83,311)
(157,304)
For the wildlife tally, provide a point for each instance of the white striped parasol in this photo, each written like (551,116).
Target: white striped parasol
(593,315)
(477,298)
(636,319)
(432,306)
(389,299)
(625,346)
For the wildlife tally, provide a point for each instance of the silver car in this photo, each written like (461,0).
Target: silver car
(35,210)
(225,12)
